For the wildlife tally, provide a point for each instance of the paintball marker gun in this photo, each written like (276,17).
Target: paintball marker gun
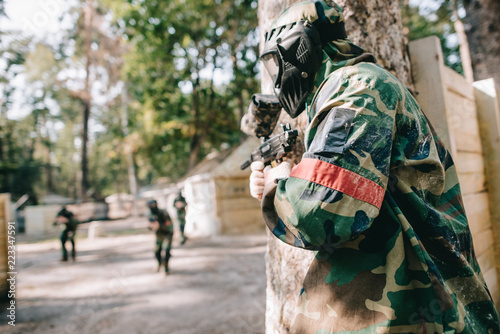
(262,116)
(274,148)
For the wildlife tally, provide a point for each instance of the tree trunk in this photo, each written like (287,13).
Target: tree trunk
(483,33)
(463,44)
(197,138)
(132,179)
(374,25)
(89,9)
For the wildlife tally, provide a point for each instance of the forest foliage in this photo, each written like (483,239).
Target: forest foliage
(168,83)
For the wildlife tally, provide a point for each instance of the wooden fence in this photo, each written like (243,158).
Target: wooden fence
(5,217)
(466,117)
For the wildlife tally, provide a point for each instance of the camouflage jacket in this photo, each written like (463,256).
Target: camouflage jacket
(71,222)
(377,196)
(180,207)
(164,221)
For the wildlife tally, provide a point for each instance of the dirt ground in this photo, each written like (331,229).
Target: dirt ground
(215,285)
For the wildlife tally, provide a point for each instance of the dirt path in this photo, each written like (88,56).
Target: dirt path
(215,286)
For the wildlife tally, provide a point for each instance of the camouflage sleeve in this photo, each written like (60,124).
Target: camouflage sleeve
(335,192)
(166,216)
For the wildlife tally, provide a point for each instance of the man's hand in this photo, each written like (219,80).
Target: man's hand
(261,176)
(257,181)
(154,226)
(61,220)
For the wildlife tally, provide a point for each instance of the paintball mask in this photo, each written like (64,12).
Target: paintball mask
(153,206)
(293,54)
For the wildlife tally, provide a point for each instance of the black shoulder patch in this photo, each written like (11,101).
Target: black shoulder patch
(333,132)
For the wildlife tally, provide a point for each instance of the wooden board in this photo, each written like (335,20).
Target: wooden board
(467,118)
(469,162)
(487,261)
(488,111)
(472,182)
(466,142)
(491,277)
(232,187)
(5,217)
(235,204)
(476,207)
(457,83)
(427,67)
(242,222)
(482,242)
(461,113)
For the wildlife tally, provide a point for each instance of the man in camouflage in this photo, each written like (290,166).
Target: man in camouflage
(66,217)
(376,194)
(180,207)
(161,224)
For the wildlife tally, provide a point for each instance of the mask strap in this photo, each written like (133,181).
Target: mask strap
(328,31)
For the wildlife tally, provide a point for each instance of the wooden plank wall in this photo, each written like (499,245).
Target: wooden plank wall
(488,110)
(4,218)
(449,102)
(238,211)
(461,106)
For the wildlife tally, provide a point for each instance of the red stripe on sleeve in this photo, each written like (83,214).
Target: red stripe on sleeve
(339,179)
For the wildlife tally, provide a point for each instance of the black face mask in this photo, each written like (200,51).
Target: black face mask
(292,56)
(154,210)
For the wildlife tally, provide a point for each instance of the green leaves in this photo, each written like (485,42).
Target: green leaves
(189,68)
(420,22)
(185,70)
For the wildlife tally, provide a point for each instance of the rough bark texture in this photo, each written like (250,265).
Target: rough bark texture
(86,101)
(376,26)
(483,33)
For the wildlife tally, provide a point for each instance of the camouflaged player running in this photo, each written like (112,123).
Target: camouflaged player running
(66,217)
(377,195)
(161,224)
(180,208)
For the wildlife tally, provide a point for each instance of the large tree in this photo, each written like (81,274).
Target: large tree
(483,34)
(19,165)
(376,26)
(93,50)
(181,52)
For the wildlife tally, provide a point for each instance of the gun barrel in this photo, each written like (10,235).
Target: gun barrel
(245,164)
(273,149)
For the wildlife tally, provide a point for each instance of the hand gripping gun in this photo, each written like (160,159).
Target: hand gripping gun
(274,148)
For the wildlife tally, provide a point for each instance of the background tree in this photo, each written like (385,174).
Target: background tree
(483,35)
(375,25)
(95,49)
(19,167)
(434,18)
(181,54)
(86,96)
(183,97)
(54,94)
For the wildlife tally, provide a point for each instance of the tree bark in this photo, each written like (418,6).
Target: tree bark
(129,155)
(86,100)
(376,26)
(197,137)
(463,44)
(483,33)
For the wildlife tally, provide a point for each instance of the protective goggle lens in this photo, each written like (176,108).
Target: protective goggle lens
(271,62)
